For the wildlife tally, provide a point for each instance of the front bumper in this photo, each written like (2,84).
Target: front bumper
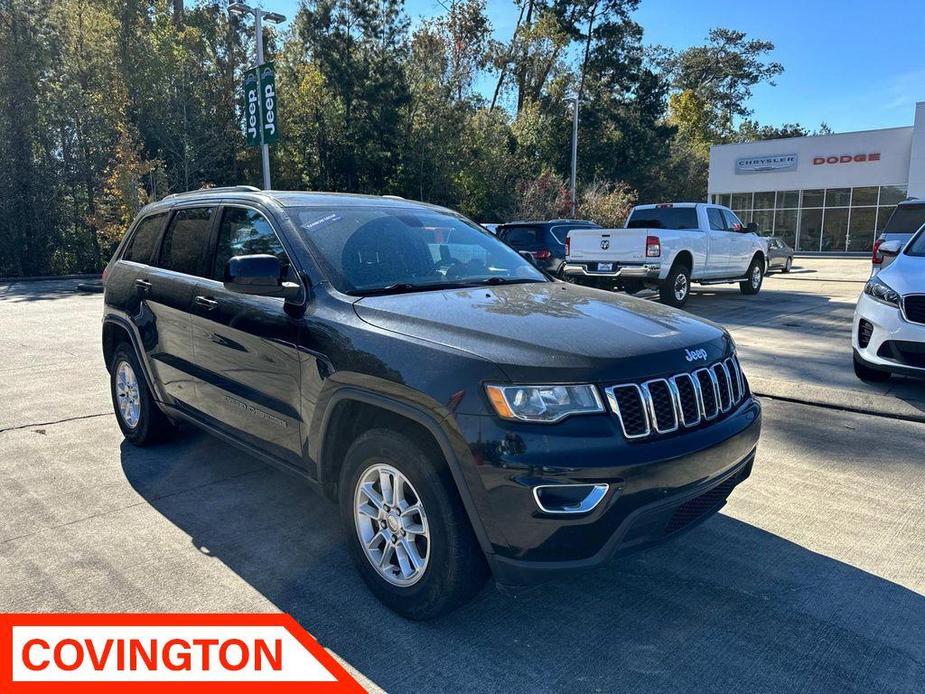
(657,488)
(646,271)
(895,344)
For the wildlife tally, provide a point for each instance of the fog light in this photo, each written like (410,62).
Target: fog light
(569,498)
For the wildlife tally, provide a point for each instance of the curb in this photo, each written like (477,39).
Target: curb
(854,401)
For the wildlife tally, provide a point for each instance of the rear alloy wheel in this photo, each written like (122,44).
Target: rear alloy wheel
(139,416)
(788,265)
(675,289)
(754,278)
(407,532)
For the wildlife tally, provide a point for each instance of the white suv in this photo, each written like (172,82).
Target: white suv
(889,322)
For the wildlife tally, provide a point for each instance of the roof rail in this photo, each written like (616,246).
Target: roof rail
(225,189)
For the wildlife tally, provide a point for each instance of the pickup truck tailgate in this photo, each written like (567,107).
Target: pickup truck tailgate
(617,245)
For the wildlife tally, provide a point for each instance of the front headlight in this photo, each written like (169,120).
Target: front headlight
(882,292)
(544,403)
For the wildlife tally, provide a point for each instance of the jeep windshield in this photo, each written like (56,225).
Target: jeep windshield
(391,250)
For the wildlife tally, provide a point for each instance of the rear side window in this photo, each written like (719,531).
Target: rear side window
(905,219)
(245,232)
(664,218)
(144,241)
(523,238)
(186,240)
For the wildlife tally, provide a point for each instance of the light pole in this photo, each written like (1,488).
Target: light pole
(575,102)
(259,16)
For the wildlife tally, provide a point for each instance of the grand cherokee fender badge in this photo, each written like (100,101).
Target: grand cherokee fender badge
(695,354)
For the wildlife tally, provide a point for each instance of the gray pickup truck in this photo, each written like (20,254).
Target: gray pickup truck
(906,219)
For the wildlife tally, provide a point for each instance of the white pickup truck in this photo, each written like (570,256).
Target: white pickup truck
(668,246)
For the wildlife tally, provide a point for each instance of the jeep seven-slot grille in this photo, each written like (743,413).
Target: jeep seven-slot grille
(661,406)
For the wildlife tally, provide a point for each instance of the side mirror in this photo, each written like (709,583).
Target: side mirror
(259,275)
(891,248)
(751,228)
(529,257)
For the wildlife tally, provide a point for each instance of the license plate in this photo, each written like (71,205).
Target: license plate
(605,267)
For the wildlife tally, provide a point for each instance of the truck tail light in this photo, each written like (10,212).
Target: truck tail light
(543,254)
(653,247)
(876,258)
(568,245)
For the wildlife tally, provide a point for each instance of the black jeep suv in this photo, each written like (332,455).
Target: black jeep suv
(466,413)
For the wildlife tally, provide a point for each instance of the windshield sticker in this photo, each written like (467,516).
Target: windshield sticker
(323,221)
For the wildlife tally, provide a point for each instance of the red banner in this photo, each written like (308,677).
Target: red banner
(174,653)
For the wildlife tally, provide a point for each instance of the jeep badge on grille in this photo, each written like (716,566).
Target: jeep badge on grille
(695,354)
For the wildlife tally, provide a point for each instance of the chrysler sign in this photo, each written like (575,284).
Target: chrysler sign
(774,162)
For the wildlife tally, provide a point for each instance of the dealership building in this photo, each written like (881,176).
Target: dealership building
(822,193)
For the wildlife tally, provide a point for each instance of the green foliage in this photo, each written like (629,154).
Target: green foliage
(106,105)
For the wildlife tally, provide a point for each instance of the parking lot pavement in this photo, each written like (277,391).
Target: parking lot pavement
(809,580)
(794,337)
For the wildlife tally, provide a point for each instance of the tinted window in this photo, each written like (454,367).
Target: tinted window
(245,232)
(559,233)
(664,218)
(917,245)
(732,222)
(523,238)
(906,219)
(365,249)
(716,219)
(186,241)
(141,247)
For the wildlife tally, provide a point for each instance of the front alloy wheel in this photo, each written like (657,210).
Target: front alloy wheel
(392,525)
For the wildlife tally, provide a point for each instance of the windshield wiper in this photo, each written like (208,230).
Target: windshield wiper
(507,280)
(404,287)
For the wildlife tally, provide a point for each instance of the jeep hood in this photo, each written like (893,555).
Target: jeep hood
(553,332)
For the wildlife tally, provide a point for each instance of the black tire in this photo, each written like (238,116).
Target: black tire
(755,276)
(675,289)
(456,569)
(787,265)
(152,425)
(868,373)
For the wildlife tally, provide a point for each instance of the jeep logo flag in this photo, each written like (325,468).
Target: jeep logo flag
(261,124)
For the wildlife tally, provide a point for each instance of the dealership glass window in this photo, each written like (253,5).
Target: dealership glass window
(741,201)
(883,214)
(890,195)
(813,198)
(764,201)
(785,226)
(837,197)
(765,221)
(787,199)
(864,196)
(810,230)
(861,228)
(834,229)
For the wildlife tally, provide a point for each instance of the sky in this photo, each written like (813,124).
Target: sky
(853,64)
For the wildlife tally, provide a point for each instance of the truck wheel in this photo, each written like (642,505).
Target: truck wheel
(755,276)
(407,531)
(675,289)
(139,417)
(869,374)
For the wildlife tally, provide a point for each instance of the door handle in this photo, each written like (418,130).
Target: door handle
(205,303)
(143,286)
